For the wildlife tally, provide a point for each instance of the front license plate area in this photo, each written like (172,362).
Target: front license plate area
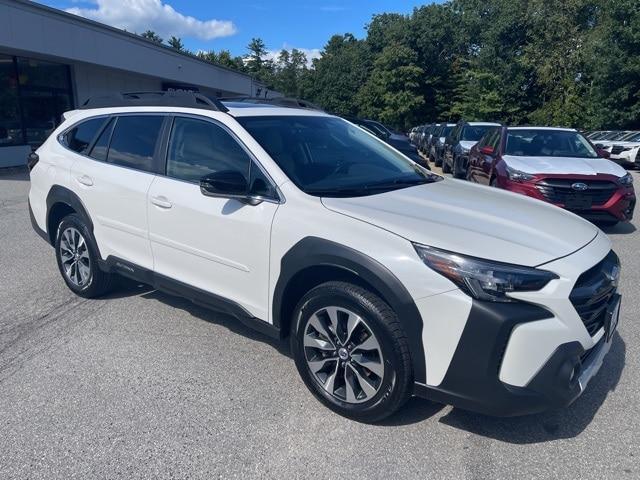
(578,202)
(611,320)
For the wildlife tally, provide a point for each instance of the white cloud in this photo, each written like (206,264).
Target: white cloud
(140,15)
(311,53)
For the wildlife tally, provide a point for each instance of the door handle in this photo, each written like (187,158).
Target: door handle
(85,180)
(161,202)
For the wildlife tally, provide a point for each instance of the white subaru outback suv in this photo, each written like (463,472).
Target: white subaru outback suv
(389,280)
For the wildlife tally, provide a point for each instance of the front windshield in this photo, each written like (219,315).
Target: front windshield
(634,138)
(446,131)
(329,157)
(548,143)
(473,133)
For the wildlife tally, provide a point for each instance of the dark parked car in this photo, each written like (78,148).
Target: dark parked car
(436,144)
(458,144)
(556,165)
(399,141)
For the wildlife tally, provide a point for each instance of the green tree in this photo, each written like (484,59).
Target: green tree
(151,35)
(176,43)
(338,74)
(392,91)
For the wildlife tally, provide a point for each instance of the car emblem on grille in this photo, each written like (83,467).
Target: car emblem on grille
(579,186)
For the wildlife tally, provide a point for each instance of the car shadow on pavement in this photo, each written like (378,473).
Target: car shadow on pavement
(553,425)
(619,228)
(219,318)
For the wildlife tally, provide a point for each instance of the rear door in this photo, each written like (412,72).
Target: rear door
(113,182)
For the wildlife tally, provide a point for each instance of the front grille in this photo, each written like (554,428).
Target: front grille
(594,290)
(561,190)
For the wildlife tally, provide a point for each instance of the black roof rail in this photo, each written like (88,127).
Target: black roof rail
(276,101)
(155,99)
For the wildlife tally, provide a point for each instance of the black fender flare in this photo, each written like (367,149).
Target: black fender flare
(313,252)
(60,194)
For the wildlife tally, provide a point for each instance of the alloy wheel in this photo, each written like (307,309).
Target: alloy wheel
(343,354)
(74,256)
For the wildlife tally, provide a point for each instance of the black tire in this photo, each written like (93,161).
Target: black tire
(458,171)
(494,182)
(446,168)
(395,384)
(98,282)
(437,161)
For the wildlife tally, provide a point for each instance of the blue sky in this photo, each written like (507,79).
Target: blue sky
(230,24)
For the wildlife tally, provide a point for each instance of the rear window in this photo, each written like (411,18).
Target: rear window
(79,138)
(133,142)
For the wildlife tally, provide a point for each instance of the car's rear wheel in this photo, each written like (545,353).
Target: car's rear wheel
(351,351)
(77,258)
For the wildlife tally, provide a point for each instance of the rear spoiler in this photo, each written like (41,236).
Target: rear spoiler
(67,115)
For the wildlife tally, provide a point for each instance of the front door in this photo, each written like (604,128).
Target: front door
(215,244)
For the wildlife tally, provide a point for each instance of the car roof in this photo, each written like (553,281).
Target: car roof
(483,124)
(533,127)
(268,110)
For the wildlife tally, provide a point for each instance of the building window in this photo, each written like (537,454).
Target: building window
(10,125)
(33,96)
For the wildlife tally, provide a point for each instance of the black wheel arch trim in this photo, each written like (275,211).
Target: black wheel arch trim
(318,252)
(60,194)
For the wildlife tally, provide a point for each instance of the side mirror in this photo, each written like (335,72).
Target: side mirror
(487,150)
(603,153)
(227,184)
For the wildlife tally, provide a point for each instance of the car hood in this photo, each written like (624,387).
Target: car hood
(467,144)
(473,220)
(564,165)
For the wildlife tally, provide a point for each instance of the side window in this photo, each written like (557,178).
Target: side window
(198,148)
(494,141)
(260,185)
(99,150)
(133,142)
(485,139)
(79,138)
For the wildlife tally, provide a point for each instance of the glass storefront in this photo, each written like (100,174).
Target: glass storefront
(33,96)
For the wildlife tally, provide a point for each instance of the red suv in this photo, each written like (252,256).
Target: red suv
(557,165)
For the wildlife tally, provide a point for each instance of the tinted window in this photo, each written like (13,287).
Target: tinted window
(198,148)
(79,137)
(261,186)
(327,156)
(99,150)
(134,140)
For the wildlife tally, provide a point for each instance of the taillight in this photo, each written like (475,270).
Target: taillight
(32,159)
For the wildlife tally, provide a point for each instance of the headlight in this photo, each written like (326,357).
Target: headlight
(484,279)
(518,176)
(626,180)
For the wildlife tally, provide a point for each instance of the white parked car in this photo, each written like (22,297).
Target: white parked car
(389,280)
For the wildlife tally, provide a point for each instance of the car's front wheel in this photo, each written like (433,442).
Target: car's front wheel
(446,168)
(351,351)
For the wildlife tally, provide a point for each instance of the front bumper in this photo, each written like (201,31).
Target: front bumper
(619,207)
(472,381)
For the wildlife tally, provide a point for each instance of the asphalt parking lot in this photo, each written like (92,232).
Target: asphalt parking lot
(144,385)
